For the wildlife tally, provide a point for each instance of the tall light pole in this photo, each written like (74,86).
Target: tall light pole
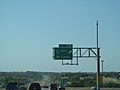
(98,60)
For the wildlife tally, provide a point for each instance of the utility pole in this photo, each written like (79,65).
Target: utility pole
(98,61)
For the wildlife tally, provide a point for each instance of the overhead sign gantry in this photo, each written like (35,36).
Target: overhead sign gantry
(68,52)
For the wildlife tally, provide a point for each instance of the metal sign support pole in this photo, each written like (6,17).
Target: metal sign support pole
(98,62)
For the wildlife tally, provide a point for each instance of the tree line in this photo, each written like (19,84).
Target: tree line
(69,79)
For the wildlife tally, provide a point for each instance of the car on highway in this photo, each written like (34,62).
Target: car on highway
(61,88)
(12,86)
(45,86)
(34,86)
(93,88)
(53,86)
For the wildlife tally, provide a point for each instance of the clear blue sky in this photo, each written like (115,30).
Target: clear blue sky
(29,29)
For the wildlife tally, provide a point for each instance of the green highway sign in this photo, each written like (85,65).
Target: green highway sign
(64,51)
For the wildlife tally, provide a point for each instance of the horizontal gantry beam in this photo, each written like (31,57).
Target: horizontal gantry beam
(85,52)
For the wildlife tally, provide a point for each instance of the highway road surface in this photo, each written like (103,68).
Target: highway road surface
(86,89)
(77,89)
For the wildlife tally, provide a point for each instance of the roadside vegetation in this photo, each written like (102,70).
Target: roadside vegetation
(68,79)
